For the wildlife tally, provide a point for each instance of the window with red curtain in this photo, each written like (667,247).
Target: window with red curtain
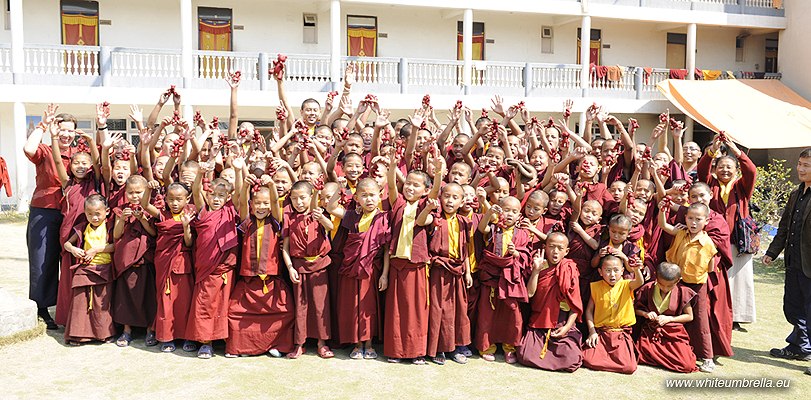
(361,36)
(478,41)
(80,22)
(214,28)
(595,46)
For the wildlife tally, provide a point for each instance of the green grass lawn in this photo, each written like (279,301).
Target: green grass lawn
(44,367)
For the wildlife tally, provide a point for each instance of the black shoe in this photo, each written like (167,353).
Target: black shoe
(737,327)
(46,317)
(789,355)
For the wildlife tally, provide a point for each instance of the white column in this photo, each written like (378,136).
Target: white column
(17,43)
(335,43)
(467,48)
(691,68)
(186,31)
(585,51)
(22,167)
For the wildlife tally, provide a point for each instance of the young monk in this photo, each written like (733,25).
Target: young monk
(134,298)
(450,278)
(584,240)
(666,306)
(534,222)
(91,280)
(552,341)
(617,244)
(215,258)
(609,318)
(404,273)
(305,253)
(693,251)
(260,313)
(174,282)
(501,272)
(367,233)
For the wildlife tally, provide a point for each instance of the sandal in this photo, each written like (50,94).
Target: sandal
(150,339)
(124,340)
(325,352)
(394,360)
(189,346)
(418,361)
(274,353)
(73,343)
(356,354)
(205,352)
(439,359)
(459,358)
(168,347)
(510,357)
(370,354)
(465,351)
(489,357)
(296,353)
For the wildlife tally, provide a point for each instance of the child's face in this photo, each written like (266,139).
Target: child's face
(95,213)
(260,204)
(597,147)
(608,148)
(414,187)
(660,160)
(553,136)
(513,142)
(665,286)
(310,173)
(588,168)
(643,190)
(556,248)
(366,134)
(636,213)
(458,144)
(511,210)
(470,197)
(324,136)
(368,197)
(534,209)
(539,160)
(499,194)
(354,144)
(495,157)
(353,169)
(217,197)
(556,202)
(696,221)
(134,193)
(618,233)
(591,213)
(611,270)
(423,140)
(679,197)
(700,195)
(301,200)
(229,175)
(176,199)
(617,190)
(283,183)
(80,165)
(459,174)
(451,199)
(121,171)
(205,151)
(160,163)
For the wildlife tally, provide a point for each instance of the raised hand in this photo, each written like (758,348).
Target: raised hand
(498,105)
(102,113)
(110,140)
(136,114)
(50,114)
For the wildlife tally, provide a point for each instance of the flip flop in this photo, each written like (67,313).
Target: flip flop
(510,357)
(488,357)
(356,354)
(296,353)
(394,360)
(124,340)
(150,339)
(418,361)
(459,357)
(325,352)
(73,343)
(370,354)
(439,359)
(465,351)
(168,347)
(205,352)
(189,346)
(274,353)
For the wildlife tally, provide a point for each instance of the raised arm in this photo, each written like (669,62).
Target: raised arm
(666,227)
(391,177)
(35,138)
(61,172)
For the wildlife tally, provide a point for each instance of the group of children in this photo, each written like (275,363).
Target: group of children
(438,240)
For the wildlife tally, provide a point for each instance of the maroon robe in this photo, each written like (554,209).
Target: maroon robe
(260,312)
(73,214)
(667,346)
(89,314)
(581,254)
(174,281)
(629,248)
(448,323)
(503,288)
(134,298)
(739,196)
(358,300)
(405,330)
(308,238)
(215,258)
(599,193)
(539,349)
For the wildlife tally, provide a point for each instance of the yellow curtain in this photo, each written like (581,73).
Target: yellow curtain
(215,35)
(478,47)
(361,41)
(80,29)
(595,46)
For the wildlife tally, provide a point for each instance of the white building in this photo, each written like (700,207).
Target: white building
(128,52)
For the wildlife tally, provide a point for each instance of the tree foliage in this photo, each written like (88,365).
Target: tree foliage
(772,190)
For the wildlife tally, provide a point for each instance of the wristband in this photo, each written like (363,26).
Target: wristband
(101,128)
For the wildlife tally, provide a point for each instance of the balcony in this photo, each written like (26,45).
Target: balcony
(153,68)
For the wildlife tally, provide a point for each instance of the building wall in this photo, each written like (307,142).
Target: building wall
(794,58)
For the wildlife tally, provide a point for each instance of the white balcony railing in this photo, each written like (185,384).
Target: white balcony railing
(760,3)
(497,74)
(62,60)
(555,76)
(137,63)
(374,70)
(307,68)
(5,60)
(434,72)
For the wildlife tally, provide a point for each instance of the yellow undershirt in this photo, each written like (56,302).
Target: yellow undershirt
(260,232)
(97,237)
(506,239)
(177,217)
(366,221)
(661,303)
(613,305)
(406,238)
(453,237)
(725,191)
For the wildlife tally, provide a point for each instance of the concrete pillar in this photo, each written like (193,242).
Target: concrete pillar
(335,44)
(403,75)
(17,43)
(105,65)
(691,68)
(264,63)
(22,166)
(467,49)
(186,31)
(585,47)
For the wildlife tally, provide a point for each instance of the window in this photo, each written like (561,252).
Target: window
(676,57)
(214,26)
(478,40)
(80,22)
(7,14)
(595,46)
(771,55)
(546,39)
(310,33)
(739,43)
(361,36)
